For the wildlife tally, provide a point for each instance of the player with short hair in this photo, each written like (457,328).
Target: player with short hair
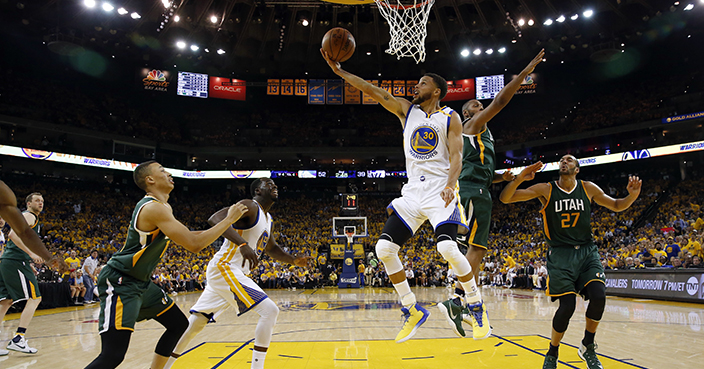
(228,284)
(573,261)
(127,294)
(478,165)
(432,144)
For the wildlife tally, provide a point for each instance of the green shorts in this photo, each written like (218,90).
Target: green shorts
(570,269)
(476,201)
(125,300)
(17,281)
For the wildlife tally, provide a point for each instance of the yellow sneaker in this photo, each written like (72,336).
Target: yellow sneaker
(414,316)
(481,328)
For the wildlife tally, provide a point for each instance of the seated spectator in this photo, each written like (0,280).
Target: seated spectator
(696,263)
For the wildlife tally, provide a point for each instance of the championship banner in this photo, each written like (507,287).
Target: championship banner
(273,86)
(387,86)
(410,87)
(367,99)
(529,85)
(399,88)
(301,87)
(227,88)
(287,87)
(352,94)
(679,118)
(334,91)
(460,90)
(154,79)
(316,92)
(661,284)
(337,251)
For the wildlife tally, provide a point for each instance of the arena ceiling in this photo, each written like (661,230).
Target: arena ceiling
(270,38)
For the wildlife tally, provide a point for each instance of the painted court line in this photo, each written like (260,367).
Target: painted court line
(606,356)
(471,352)
(533,351)
(234,352)
(416,358)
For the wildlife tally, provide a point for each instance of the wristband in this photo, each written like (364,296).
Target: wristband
(449,188)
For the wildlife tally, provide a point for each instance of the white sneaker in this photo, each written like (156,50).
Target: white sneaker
(21,346)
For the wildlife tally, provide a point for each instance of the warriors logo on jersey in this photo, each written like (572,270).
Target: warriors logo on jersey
(424,141)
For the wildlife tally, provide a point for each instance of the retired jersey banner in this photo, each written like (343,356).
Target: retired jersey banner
(301,87)
(529,85)
(367,99)
(410,87)
(387,86)
(399,88)
(273,86)
(460,90)
(334,91)
(352,94)
(154,79)
(316,92)
(287,87)
(227,88)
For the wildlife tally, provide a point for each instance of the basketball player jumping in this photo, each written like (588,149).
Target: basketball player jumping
(573,259)
(127,294)
(478,165)
(228,284)
(432,143)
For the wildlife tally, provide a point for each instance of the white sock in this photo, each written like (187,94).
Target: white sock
(408,298)
(258,359)
(471,292)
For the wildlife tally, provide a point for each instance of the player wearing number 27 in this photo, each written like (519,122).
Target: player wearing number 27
(432,144)
(573,259)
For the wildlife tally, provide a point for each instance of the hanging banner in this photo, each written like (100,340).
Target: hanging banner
(410,87)
(154,79)
(367,99)
(227,88)
(316,92)
(529,85)
(387,86)
(334,91)
(287,87)
(399,88)
(460,90)
(352,94)
(301,87)
(273,86)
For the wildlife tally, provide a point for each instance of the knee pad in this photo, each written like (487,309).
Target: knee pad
(446,232)
(451,253)
(388,254)
(564,313)
(597,301)
(267,309)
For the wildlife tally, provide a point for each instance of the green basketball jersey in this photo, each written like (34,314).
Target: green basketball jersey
(142,250)
(13,251)
(478,159)
(567,216)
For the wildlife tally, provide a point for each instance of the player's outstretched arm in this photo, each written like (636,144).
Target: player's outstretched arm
(157,215)
(502,99)
(231,234)
(598,195)
(506,176)
(398,106)
(277,253)
(511,193)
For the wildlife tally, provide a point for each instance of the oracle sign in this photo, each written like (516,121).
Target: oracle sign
(227,88)
(462,89)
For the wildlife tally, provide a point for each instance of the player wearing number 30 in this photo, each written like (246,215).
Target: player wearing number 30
(228,284)
(573,259)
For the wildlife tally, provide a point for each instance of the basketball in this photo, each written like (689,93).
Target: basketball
(339,44)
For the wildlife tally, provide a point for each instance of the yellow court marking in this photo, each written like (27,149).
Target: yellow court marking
(494,352)
(344,291)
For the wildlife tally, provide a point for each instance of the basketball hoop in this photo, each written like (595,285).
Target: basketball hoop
(349,233)
(407,26)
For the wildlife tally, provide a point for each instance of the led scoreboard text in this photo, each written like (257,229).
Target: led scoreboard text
(349,201)
(192,84)
(489,86)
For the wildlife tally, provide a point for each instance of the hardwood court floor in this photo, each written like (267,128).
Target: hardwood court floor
(331,328)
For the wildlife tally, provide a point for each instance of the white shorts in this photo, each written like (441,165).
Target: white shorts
(421,201)
(227,286)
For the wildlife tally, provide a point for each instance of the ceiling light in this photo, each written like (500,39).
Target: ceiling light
(521,22)
(213,19)
(176,18)
(305,22)
(194,47)
(89,3)
(437,50)
(122,11)
(135,15)
(220,51)
(166,3)
(181,45)
(530,22)
(574,17)
(477,51)
(489,51)
(689,7)
(588,13)
(206,50)
(108,7)
(513,41)
(560,19)
(502,50)
(465,53)
(369,53)
(548,22)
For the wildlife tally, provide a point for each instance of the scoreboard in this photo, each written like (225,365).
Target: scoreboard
(192,84)
(349,201)
(489,86)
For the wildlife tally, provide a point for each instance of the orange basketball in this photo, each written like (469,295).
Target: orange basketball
(339,44)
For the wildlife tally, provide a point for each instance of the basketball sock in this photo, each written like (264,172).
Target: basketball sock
(472,292)
(21,330)
(552,351)
(588,338)
(458,296)
(408,298)
(258,358)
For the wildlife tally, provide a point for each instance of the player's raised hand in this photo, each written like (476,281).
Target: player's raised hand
(302,261)
(533,63)
(508,176)
(59,264)
(634,184)
(248,255)
(236,211)
(447,194)
(335,66)
(528,173)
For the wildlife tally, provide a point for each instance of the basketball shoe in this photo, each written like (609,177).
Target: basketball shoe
(481,328)
(588,354)
(453,314)
(550,362)
(18,343)
(414,317)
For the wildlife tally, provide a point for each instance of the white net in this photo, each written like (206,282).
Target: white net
(407,26)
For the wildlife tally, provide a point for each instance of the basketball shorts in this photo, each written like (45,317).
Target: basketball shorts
(17,281)
(570,269)
(227,286)
(476,201)
(421,201)
(125,300)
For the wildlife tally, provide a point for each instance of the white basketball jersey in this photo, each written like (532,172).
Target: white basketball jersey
(256,236)
(425,143)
